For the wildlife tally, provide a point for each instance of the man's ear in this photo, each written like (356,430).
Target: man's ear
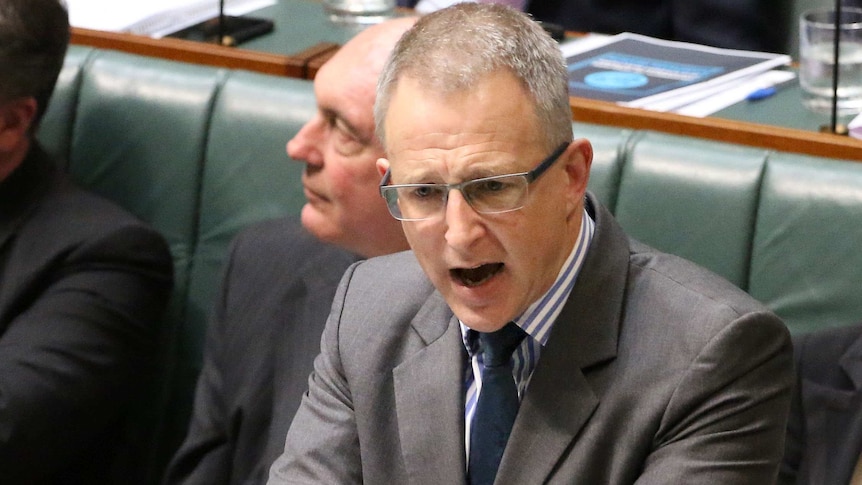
(578,158)
(382,166)
(16,118)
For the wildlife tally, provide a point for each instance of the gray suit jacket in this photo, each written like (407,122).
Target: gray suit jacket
(278,285)
(824,432)
(657,371)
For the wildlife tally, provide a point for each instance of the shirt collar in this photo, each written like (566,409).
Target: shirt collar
(539,317)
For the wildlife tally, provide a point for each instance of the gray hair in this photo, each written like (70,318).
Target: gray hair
(34,35)
(451,49)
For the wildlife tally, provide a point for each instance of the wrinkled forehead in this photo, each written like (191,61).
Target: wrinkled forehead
(346,88)
(348,70)
(493,117)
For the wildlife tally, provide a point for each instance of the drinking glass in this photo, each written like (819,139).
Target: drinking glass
(817,59)
(362,12)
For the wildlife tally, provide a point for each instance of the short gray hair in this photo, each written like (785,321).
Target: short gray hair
(34,35)
(451,49)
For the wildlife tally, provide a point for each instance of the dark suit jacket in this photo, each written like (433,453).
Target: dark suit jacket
(83,286)
(824,433)
(760,25)
(656,371)
(276,293)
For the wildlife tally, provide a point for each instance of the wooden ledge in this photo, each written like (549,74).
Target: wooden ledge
(730,131)
(191,51)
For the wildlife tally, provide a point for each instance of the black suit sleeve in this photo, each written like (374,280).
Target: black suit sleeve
(80,340)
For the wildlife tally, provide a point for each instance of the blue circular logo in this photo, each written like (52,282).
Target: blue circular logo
(616,80)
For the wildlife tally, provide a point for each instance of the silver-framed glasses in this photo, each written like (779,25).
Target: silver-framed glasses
(486,195)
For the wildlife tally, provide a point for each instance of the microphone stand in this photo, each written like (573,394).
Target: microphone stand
(226,30)
(834,127)
(221,24)
(836,45)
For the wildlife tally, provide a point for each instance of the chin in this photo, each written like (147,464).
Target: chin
(318,225)
(481,322)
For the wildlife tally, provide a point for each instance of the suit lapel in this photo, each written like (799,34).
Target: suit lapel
(831,412)
(562,392)
(429,399)
(21,191)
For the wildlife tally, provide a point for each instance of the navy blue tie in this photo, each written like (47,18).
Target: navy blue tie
(497,406)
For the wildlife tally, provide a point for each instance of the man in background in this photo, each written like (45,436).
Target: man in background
(83,284)
(759,25)
(280,278)
(525,338)
(824,432)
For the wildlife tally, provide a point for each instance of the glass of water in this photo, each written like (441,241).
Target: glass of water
(361,12)
(817,59)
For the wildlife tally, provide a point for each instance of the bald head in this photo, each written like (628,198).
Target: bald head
(339,148)
(371,47)
(359,62)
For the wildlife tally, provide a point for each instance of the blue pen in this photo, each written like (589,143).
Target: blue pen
(761,93)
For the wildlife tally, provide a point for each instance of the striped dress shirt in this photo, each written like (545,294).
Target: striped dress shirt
(536,321)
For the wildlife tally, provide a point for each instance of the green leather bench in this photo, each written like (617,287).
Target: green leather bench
(783,227)
(198,152)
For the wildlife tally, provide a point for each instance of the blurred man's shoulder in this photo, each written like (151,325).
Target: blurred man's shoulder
(283,242)
(825,346)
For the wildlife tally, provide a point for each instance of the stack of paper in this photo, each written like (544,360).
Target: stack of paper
(855,127)
(154,18)
(644,72)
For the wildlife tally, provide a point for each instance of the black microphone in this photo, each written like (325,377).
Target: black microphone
(226,30)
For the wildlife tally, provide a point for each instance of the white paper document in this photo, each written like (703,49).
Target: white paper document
(644,72)
(154,18)
(855,127)
(736,93)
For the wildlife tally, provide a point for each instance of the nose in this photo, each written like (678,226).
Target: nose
(308,144)
(463,223)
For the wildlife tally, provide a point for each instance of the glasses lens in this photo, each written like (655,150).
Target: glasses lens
(415,202)
(496,194)
(390,195)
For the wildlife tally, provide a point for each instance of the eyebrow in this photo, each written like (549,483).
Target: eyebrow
(336,116)
(471,173)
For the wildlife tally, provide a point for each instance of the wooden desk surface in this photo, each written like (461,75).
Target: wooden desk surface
(302,32)
(298,50)
(721,129)
(195,52)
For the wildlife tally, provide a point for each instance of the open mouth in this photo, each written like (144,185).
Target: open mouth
(471,277)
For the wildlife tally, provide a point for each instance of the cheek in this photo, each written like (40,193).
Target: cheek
(424,237)
(340,185)
(429,247)
(414,235)
(352,181)
(524,239)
